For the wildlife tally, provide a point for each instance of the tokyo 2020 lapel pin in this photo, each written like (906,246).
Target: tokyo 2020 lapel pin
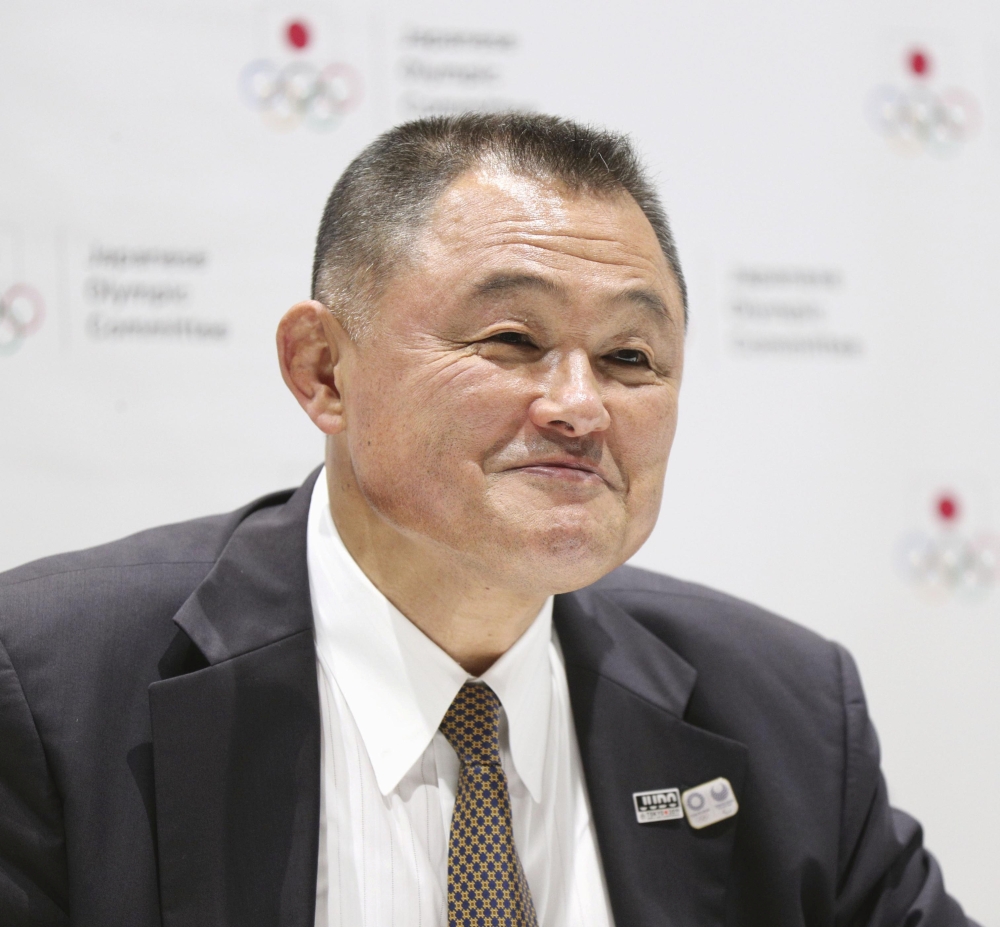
(709,802)
(658,805)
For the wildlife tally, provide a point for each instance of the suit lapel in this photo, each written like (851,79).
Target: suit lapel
(629,691)
(236,744)
(236,748)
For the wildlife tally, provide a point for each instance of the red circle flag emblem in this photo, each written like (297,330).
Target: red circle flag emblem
(297,34)
(919,62)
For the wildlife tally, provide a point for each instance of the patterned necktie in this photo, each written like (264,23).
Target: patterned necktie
(486,884)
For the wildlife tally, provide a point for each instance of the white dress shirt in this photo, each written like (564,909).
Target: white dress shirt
(388,776)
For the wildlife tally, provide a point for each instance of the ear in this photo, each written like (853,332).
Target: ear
(310,344)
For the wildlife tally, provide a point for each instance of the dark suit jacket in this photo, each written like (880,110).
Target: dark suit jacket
(159,744)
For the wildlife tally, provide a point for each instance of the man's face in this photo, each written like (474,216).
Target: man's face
(516,399)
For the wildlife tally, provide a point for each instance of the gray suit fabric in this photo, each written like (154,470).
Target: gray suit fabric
(159,744)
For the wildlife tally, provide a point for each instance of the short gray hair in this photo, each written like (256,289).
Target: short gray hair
(389,190)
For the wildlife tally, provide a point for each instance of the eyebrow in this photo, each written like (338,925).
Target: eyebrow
(500,283)
(648,299)
(504,282)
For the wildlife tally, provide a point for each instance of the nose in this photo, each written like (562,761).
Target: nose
(571,403)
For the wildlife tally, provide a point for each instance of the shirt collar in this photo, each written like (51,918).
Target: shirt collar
(397,682)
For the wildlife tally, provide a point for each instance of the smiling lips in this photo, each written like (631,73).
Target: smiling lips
(568,469)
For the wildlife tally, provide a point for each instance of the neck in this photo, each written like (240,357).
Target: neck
(453,602)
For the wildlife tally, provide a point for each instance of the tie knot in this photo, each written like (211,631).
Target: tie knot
(472,725)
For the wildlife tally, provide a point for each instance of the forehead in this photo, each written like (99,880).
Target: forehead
(493,220)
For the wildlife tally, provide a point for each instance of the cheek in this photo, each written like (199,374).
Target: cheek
(645,434)
(425,437)
(469,406)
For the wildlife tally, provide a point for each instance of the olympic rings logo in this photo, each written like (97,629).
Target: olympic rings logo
(919,119)
(696,801)
(300,92)
(950,564)
(21,314)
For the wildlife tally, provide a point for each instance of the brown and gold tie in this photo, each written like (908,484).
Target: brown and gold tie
(486,884)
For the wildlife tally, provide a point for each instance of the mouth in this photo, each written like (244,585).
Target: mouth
(564,469)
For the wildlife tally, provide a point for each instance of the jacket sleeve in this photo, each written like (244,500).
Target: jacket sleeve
(33,876)
(885,876)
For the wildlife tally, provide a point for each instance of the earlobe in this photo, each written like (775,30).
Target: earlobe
(309,353)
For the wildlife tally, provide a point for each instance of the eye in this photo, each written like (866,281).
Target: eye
(516,338)
(630,356)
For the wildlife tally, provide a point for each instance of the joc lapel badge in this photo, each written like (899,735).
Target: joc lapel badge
(709,802)
(704,804)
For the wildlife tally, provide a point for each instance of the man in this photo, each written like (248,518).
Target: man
(422,689)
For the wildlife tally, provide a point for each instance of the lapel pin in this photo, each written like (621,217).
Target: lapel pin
(709,802)
(658,805)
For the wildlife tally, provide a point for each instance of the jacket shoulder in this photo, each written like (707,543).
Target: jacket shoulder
(724,636)
(108,590)
(701,609)
(199,540)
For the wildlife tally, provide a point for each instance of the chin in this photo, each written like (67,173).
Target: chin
(565,560)
(563,575)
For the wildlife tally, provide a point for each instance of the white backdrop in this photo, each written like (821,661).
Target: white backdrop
(832,175)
